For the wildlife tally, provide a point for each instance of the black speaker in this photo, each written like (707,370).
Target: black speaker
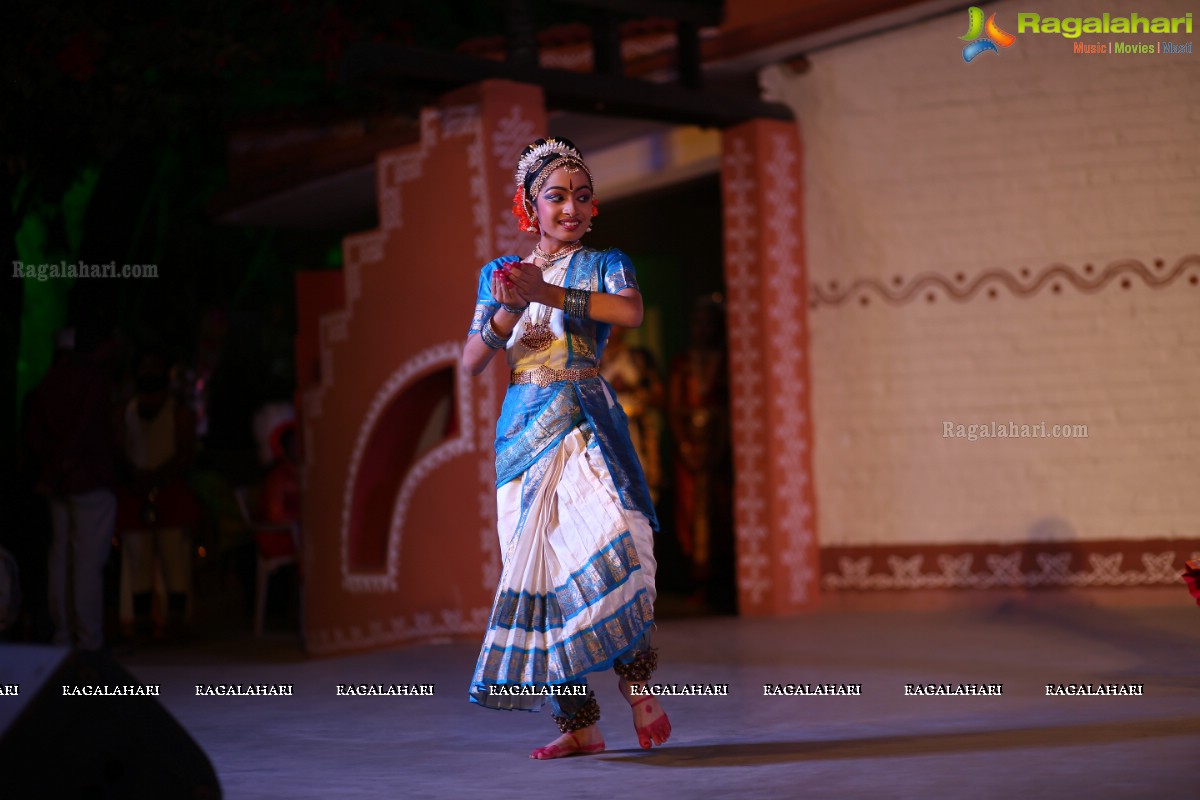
(74,724)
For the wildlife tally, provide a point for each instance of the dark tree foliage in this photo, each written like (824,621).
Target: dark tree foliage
(137,102)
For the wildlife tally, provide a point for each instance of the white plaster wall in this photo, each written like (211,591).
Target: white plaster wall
(918,162)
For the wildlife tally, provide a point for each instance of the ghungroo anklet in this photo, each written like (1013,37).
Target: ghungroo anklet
(640,668)
(589,714)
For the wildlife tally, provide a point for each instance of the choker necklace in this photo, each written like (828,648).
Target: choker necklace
(558,255)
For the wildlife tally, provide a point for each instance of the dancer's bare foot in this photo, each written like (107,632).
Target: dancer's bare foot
(649,719)
(583,742)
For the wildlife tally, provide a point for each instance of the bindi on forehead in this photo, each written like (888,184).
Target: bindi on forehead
(572,186)
(568,177)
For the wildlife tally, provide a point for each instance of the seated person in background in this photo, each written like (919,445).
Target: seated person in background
(156,506)
(281,493)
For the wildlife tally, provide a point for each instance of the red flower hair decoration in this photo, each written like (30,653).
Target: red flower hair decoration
(521,212)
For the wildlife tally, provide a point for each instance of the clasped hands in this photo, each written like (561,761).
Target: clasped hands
(518,283)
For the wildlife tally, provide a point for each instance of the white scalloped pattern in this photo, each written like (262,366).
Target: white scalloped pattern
(447,354)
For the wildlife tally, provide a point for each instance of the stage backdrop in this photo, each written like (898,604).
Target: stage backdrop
(1003,243)
(399,501)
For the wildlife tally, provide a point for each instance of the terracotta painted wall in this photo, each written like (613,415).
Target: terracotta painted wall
(774,509)
(1015,239)
(318,292)
(399,502)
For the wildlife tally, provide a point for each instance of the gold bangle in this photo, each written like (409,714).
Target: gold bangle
(577,303)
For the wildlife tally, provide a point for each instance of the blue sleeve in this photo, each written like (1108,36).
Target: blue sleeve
(485,303)
(616,272)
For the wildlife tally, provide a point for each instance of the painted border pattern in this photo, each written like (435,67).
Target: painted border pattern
(931,285)
(1157,562)
(744,311)
(785,275)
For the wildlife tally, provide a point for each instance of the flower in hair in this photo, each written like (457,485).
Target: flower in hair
(521,213)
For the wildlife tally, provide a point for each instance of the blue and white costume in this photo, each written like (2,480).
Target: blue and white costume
(574,514)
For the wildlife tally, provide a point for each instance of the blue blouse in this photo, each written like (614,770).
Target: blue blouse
(534,419)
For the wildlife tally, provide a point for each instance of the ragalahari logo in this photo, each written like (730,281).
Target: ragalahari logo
(980,43)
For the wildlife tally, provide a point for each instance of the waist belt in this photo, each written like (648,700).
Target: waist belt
(543,376)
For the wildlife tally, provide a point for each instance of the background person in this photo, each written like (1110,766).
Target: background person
(69,435)
(699,415)
(632,373)
(157,508)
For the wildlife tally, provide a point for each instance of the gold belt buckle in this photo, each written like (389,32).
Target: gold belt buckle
(543,376)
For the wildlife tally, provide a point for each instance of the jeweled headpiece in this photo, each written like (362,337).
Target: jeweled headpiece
(534,168)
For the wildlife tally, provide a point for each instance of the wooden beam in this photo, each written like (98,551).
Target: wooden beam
(703,13)
(369,62)
(606,44)
(688,45)
(521,33)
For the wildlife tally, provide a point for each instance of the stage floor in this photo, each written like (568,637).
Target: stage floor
(879,744)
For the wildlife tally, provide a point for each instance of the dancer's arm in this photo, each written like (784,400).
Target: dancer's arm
(623,308)
(477,354)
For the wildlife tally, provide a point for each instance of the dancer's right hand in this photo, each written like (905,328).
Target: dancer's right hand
(506,292)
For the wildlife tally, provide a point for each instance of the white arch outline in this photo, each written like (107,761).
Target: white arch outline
(446,354)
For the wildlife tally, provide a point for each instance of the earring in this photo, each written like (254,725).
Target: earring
(521,210)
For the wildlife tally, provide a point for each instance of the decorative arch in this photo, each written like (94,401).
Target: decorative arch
(399,492)
(401,440)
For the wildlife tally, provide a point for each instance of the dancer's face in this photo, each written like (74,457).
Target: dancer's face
(564,205)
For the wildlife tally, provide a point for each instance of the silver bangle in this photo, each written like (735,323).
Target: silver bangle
(491,337)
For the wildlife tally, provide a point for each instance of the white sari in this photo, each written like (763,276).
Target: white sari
(577,587)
